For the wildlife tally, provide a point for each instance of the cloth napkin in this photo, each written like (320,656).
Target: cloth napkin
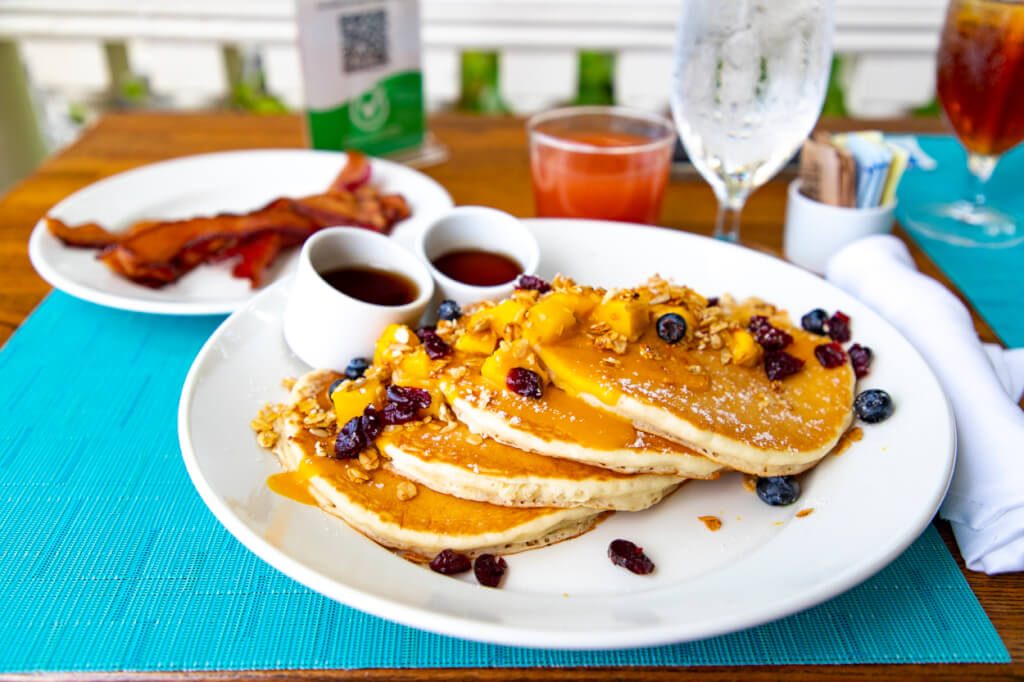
(985,503)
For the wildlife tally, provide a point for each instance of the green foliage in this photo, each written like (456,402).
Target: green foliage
(480,92)
(596,81)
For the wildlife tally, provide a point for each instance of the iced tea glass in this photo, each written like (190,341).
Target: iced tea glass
(610,163)
(980,83)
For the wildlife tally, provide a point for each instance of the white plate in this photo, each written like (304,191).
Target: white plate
(869,503)
(206,184)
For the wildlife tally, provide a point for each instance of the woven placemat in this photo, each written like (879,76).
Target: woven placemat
(993,279)
(110,561)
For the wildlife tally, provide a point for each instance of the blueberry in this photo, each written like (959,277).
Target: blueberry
(449,310)
(814,321)
(330,389)
(873,405)
(778,491)
(356,368)
(671,327)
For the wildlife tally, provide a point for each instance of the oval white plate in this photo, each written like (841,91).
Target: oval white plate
(202,185)
(869,503)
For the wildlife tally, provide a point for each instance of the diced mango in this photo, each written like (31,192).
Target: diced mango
(505,313)
(351,403)
(574,382)
(497,366)
(746,352)
(548,321)
(393,334)
(414,366)
(479,343)
(579,304)
(627,317)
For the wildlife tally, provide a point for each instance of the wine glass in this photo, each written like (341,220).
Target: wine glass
(980,83)
(748,86)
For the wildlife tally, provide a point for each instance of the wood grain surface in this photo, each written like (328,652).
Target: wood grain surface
(488,166)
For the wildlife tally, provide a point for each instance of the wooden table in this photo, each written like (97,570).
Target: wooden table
(488,166)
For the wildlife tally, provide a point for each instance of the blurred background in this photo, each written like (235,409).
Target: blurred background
(65,62)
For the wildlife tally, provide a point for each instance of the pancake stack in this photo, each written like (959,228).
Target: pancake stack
(521,423)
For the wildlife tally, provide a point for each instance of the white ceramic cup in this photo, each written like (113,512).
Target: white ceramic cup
(483,228)
(326,328)
(814,231)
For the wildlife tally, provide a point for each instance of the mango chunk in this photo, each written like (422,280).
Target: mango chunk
(497,366)
(505,313)
(548,321)
(414,366)
(479,343)
(746,352)
(393,334)
(580,304)
(629,318)
(351,402)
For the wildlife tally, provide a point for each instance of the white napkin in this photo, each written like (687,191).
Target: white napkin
(985,503)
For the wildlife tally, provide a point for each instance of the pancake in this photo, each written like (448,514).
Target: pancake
(559,425)
(376,501)
(692,393)
(446,457)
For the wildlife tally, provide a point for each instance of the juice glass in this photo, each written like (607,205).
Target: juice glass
(609,163)
(980,83)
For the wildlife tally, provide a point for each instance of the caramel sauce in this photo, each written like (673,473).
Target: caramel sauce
(478,268)
(292,485)
(380,287)
(428,511)
(560,416)
(431,443)
(800,413)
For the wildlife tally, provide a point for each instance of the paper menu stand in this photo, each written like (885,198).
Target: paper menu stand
(362,76)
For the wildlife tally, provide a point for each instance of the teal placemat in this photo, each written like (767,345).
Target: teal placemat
(110,561)
(993,279)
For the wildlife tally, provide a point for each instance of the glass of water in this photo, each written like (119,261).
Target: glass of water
(748,86)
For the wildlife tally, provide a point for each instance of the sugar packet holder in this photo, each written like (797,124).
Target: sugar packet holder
(814,231)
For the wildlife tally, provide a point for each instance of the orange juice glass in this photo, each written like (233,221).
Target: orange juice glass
(609,163)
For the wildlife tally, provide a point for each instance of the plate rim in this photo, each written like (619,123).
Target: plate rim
(515,635)
(61,282)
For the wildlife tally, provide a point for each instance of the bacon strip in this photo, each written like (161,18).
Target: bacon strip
(156,253)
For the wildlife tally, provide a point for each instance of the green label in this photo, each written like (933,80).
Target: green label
(385,118)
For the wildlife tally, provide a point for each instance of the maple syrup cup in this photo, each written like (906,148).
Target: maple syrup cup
(477,228)
(326,328)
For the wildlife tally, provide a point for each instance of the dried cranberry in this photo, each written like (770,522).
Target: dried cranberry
(839,327)
(350,440)
(417,397)
(861,357)
(436,347)
(398,413)
(778,364)
(424,332)
(489,569)
(525,382)
(768,335)
(830,355)
(533,282)
(449,562)
(371,423)
(624,553)
(713,301)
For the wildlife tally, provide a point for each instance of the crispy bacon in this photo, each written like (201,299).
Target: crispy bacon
(156,253)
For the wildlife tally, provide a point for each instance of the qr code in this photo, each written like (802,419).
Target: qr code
(364,40)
